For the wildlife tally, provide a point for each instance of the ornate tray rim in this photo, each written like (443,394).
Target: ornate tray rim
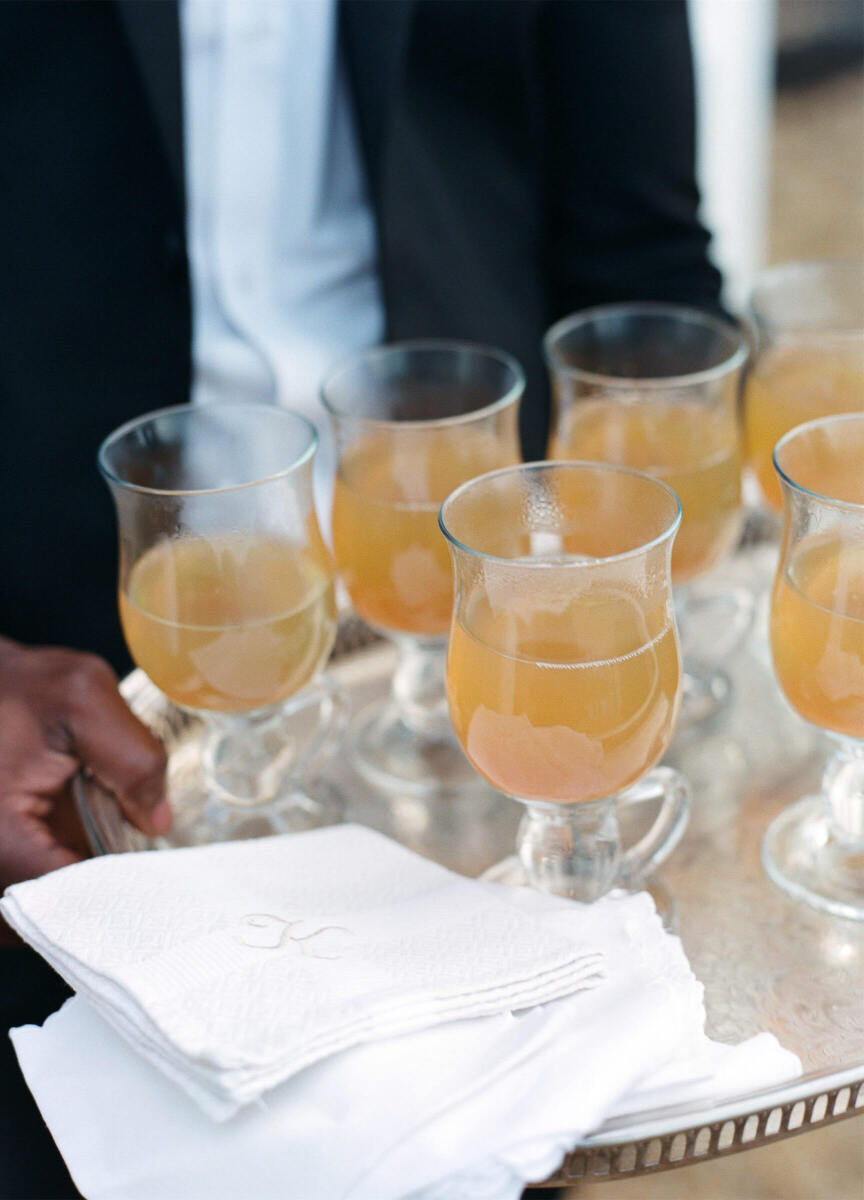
(618,1151)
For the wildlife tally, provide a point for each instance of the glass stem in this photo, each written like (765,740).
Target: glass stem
(252,758)
(246,755)
(705,686)
(843,786)
(842,857)
(570,849)
(419,686)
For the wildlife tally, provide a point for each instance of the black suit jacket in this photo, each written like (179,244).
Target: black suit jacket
(524,158)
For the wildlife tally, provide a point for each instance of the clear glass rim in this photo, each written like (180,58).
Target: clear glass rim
(802,429)
(790,272)
(513,393)
(569,465)
(684,313)
(271,409)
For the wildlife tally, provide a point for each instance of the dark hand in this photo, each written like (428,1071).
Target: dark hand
(61,711)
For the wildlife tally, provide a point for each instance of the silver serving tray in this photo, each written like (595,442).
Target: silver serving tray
(767,962)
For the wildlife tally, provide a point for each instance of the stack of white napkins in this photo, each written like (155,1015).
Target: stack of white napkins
(233,967)
(429,1035)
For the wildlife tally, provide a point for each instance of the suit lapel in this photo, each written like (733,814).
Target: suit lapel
(152,29)
(374,36)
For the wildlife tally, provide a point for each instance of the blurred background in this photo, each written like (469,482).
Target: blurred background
(780,86)
(781,119)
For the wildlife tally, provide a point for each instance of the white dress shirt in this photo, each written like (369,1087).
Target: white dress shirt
(281,235)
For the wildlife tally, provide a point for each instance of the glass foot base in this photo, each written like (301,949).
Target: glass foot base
(802,855)
(511,873)
(393,757)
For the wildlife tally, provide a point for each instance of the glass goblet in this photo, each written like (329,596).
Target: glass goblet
(226,601)
(410,423)
(815,848)
(563,667)
(807,323)
(655,387)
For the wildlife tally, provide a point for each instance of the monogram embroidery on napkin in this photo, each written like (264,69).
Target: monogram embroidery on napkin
(264,931)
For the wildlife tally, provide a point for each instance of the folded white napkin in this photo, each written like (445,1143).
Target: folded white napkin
(474,1107)
(232,967)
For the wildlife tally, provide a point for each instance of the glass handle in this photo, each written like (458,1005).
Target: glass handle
(666,832)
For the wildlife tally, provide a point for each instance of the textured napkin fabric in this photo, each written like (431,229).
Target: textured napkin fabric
(232,967)
(471,1108)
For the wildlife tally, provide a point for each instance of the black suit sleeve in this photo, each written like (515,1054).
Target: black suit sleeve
(618,155)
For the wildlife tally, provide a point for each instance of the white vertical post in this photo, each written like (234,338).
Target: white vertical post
(733,51)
